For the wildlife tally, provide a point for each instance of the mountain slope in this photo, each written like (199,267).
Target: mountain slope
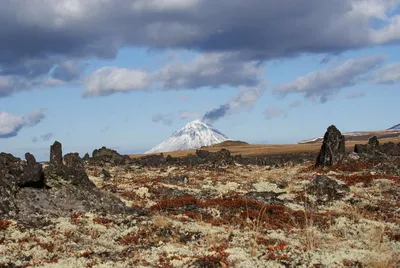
(194,135)
(396,127)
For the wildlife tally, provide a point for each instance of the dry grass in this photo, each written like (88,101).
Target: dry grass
(268,149)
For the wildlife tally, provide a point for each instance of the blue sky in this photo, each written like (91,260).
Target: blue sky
(129,93)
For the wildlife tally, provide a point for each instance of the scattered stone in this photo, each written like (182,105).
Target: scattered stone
(105,174)
(353,156)
(267,197)
(326,189)
(332,149)
(178,179)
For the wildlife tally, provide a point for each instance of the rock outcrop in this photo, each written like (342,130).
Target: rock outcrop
(374,148)
(370,148)
(108,156)
(30,193)
(56,153)
(332,149)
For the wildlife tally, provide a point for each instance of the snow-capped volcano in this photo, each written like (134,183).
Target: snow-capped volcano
(194,135)
(396,127)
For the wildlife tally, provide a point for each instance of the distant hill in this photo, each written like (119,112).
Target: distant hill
(227,143)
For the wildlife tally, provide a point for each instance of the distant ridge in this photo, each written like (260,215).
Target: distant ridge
(361,135)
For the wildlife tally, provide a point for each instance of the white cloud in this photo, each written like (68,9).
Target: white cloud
(11,124)
(327,82)
(35,117)
(108,80)
(389,74)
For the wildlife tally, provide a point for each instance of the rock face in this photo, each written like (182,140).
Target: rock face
(30,194)
(326,189)
(332,149)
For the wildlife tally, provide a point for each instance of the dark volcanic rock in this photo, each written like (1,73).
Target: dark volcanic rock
(56,153)
(374,148)
(30,194)
(270,198)
(153,160)
(86,157)
(391,148)
(105,155)
(73,160)
(332,149)
(326,189)
(203,153)
(19,172)
(30,159)
(370,148)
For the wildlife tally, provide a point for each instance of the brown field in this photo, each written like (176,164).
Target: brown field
(268,149)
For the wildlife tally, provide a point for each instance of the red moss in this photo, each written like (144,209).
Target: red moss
(74,217)
(366,178)
(220,259)
(175,203)
(91,263)
(54,260)
(130,195)
(103,221)
(47,246)
(4,224)
(86,254)
(129,239)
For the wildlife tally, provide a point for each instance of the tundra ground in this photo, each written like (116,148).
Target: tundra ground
(236,216)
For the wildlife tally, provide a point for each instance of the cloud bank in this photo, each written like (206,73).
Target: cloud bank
(64,33)
(325,83)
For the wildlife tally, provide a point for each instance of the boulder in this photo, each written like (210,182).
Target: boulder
(326,189)
(332,149)
(370,148)
(105,155)
(390,148)
(20,172)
